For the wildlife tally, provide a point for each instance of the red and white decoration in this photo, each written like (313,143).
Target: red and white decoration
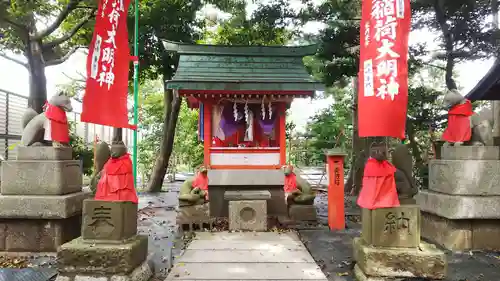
(108,61)
(383,74)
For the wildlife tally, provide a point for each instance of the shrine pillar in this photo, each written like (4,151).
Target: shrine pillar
(282,132)
(207,132)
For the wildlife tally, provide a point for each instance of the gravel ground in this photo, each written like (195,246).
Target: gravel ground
(332,250)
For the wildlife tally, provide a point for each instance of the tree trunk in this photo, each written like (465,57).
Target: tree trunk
(172,107)
(38,81)
(117,134)
(495,105)
(448,40)
(353,185)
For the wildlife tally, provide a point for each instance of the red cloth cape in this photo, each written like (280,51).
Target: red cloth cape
(290,182)
(379,186)
(459,129)
(59,129)
(117,181)
(201,181)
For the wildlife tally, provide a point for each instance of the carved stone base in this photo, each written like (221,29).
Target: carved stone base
(141,273)
(471,234)
(41,177)
(306,213)
(44,153)
(37,235)
(193,214)
(465,177)
(82,258)
(109,221)
(425,262)
(392,227)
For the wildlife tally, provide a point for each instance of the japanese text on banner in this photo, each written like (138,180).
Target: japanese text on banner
(108,62)
(383,75)
(384,16)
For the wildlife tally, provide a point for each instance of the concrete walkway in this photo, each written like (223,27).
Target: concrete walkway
(246,256)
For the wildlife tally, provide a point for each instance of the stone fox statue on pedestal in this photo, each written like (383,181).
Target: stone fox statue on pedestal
(194,191)
(297,190)
(405,185)
(50,125)
(481,123)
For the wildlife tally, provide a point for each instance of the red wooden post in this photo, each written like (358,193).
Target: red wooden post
(335,172)
(282,132)
(207,132)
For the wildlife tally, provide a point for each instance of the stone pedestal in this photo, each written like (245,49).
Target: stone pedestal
(390,247)
(109,248)
(41,200)
(302,213)
(460,211)
(248,209)
(195,217)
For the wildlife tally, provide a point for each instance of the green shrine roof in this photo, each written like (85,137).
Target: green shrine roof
(217,68)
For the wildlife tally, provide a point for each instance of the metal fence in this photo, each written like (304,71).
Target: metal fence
(12,108)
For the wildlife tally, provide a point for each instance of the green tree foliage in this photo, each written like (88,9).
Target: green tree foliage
(81,151)
(46,33)
(188,151)
(331,128)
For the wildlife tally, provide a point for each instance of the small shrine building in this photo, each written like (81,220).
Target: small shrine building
(242,93)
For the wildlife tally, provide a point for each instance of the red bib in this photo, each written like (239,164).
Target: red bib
(459,129)
(379,186)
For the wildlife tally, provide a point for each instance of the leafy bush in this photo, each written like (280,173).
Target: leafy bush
(81,150)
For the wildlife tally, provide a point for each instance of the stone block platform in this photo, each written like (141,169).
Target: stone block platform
(79,256)
(37,177)
(460,211)
(109,249)
(39,223)
(382,262)
(246,256)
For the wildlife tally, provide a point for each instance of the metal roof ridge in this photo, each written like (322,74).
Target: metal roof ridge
(240,50)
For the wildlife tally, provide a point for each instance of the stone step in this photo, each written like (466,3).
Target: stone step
(246,245)
(245,271)
(245,236)
(245,256)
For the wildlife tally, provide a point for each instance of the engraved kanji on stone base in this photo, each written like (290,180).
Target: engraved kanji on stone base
(109,221)
(392,227)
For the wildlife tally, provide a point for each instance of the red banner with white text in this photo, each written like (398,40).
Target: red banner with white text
(108,61)
(383,69)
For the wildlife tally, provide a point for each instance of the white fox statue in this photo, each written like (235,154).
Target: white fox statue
(50,126)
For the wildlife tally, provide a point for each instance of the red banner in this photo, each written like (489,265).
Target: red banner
(383,69)
(108,61)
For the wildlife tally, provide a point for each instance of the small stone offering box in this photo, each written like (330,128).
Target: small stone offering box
(392,227)
(248,209)
(109,221)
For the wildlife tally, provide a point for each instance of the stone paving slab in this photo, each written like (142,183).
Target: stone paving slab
(241,236)
(245,245)
(246,271)
(242,256)
(246,256)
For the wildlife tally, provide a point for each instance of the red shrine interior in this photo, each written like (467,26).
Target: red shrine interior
(243,130)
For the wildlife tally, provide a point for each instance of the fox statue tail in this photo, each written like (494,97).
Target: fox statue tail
(28,115)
